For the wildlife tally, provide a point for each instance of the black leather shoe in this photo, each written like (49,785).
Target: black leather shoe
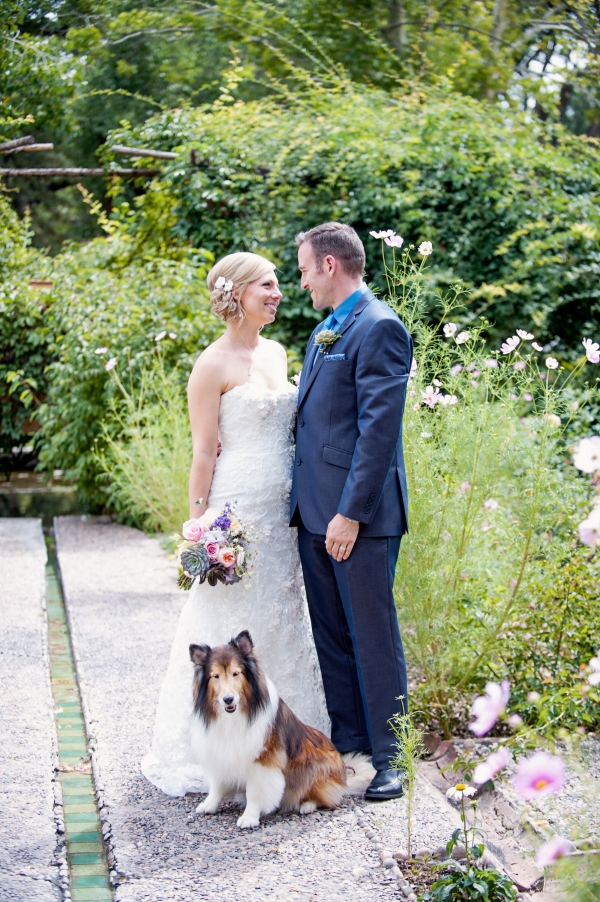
(386,784)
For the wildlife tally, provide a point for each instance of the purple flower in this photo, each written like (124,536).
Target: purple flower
(549,851)
(589,529)
(510,344)
(394,240)
(431,396)
(539,775)
(488,708)
(592,350)
(493,764)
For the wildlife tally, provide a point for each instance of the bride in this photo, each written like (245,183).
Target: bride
(239,394)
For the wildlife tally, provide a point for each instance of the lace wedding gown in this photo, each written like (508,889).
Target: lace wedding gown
(254,473)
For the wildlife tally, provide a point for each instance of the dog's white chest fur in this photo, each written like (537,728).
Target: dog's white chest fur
(229,745)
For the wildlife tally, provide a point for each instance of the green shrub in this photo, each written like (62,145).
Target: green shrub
(146,450)
(102,298)
(511,205)
(24,332)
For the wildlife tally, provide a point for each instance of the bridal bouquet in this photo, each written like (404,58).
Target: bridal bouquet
(212,548)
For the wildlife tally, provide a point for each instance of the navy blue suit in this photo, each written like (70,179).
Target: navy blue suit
(349,460)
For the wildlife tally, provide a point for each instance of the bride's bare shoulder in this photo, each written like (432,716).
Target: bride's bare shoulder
(211,365)
(273,348)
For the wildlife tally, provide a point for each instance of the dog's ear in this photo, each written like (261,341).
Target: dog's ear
(243,642)
(199,654)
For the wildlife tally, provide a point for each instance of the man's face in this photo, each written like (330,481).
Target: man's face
(318,282)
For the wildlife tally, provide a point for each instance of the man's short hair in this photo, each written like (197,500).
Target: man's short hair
(338,240)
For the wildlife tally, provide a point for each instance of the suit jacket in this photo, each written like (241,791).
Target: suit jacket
(349,457)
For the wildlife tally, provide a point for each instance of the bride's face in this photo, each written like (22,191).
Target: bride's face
(261,298)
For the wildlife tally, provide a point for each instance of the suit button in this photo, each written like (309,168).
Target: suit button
(302,422)
(298,462)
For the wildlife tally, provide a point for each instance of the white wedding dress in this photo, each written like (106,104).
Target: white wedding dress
(253,472)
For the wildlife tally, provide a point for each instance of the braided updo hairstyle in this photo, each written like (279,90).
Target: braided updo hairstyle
(234,273)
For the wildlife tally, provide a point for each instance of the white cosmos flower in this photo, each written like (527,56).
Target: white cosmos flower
(461,338)
(592,350)
(160,336)
(491,504)
(460,790)
(385,234)
(110,364)
(552,363)
(425,248)
(525,336)
(587,455)
(100,350)
(450,329)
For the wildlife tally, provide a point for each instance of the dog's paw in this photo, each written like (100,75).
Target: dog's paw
(308,807)
(205,808)
(247,820)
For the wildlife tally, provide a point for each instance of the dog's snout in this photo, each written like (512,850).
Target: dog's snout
(228,699)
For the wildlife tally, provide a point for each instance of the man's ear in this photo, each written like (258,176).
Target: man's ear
(330,265)
(199,654)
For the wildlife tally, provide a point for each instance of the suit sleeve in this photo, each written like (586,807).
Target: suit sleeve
(382,372)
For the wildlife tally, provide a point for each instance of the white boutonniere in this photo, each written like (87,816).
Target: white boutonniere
(325,338)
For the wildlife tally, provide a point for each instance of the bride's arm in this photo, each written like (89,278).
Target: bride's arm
(204,399)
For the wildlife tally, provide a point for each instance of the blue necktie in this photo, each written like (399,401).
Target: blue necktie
(328,323)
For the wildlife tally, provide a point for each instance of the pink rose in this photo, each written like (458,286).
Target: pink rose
(212,550)
(192,530)
(227,557)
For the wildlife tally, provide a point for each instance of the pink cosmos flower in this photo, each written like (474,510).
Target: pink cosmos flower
(192,530)
(536,346)
(515,720)
(465,487)
(456,369)
(450,329)
(416,406)
(493,764)
(549,851)
(539,775)
(491,363)
(519,364)
(296,378)
(491,504)
(594,677)
(552,363)
(173,335)
(510,344)
(523,335)
(212,550)
(527,396)
(533,696)
(592,350)
(589,529)
(227,557)
(488,708)
(394,240)
(587,455)
(110,364)
(431,396)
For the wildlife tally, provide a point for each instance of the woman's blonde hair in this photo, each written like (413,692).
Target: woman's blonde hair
(240,269)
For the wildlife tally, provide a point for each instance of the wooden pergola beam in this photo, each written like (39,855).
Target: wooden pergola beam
(17,142)
(143,152)
(30,147)
(79,173)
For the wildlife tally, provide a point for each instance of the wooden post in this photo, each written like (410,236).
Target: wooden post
(17,142)
(143,152)
(78,173)
(29,147)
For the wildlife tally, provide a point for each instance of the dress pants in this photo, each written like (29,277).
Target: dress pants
(358,642)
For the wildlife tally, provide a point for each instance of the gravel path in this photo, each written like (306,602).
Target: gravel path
(123,607)
(28,869)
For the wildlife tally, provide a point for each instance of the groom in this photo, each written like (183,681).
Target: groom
(349,498)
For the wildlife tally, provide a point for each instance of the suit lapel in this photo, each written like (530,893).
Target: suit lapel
(358,308)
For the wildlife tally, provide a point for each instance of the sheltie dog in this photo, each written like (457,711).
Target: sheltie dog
(248,741)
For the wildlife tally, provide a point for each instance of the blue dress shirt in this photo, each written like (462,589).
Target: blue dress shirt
(337,316)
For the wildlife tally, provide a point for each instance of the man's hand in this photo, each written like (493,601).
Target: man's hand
(340,538)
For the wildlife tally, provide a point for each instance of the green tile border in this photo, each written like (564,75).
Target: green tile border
(86,854)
